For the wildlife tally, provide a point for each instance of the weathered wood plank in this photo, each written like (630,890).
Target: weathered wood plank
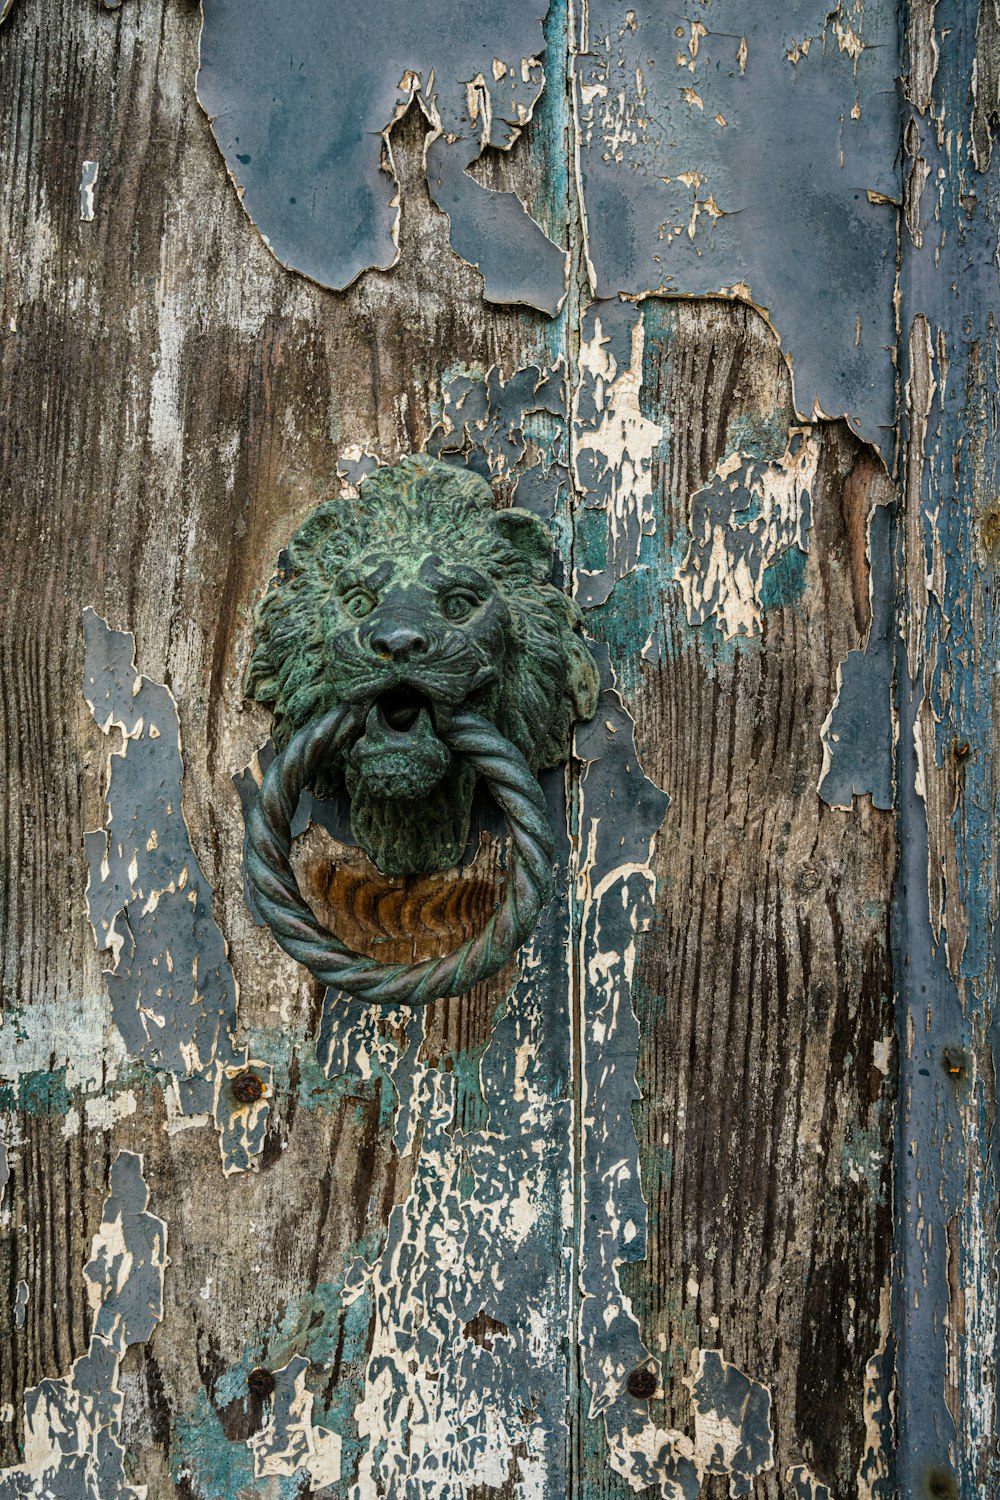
(764,987)
(945,916)
(468,1233)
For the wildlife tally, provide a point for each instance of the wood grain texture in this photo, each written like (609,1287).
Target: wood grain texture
(174,404)
(766,986)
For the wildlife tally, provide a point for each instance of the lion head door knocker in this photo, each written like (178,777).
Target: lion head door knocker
(411,644)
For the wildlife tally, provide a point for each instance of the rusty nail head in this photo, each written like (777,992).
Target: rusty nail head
(955,1061)
(260,1383)
(641,1384)
(248,1087)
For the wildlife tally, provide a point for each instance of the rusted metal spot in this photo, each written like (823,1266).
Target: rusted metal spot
(248,1087)
(260,1383)
(641,1384)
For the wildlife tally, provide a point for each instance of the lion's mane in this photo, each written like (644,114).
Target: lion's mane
(420,505)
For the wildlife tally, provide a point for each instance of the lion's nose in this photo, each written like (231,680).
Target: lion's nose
(398,641)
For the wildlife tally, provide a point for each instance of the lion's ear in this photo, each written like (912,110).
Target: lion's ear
(529,537)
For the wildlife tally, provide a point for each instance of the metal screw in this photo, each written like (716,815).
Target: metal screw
(247,1087)
(260,1383)
(641,1384)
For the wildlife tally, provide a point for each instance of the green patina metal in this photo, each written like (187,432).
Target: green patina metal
(412,643)
(407,603)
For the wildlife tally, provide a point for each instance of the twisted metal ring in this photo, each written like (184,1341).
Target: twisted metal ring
(527,888)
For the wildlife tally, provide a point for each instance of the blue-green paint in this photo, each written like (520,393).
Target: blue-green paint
(945,1166)
(784,581)
(38,1092)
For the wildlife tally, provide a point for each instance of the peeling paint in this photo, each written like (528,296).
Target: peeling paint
(876,1470)
(20,1303)
(747,517)
(613,444)
(101,1112)
(478,1235)
(172,990)
(620,813)
(88,183)
(288,1443)
(732,1421)
(944,919)
(737,166)
(802,1485)
(73,1423)
(859,733)
(314,170)
(483,424)
(78,1036)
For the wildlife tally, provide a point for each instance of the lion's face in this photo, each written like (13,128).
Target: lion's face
(412,639)
(406,604)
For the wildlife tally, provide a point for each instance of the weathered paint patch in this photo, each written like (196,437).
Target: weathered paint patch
(619,814)
(128,1257)
(76,1037)
(99,1112)
(752,152)
(859,732)
(314,168)
(477,1244)
(288,1443)
(613,445)
(21,1294)
(354,464)
(482,425)
(802,1485)
(88,182)
(944,921)
(172,990)
(876,1470)
(732,1421)
(743,522)
(73,1422)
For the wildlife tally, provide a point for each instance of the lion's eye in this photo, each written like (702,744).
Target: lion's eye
(358,604)
(458,605)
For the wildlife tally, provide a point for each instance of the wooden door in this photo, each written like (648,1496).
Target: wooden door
(698,1196)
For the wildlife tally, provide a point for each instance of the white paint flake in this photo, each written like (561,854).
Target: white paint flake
(614,444)
(73,1422)
(88,182)
(288,1442)
(873,1470)
(748,515)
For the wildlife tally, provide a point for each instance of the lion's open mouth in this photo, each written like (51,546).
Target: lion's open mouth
(401,707)
(399,755)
